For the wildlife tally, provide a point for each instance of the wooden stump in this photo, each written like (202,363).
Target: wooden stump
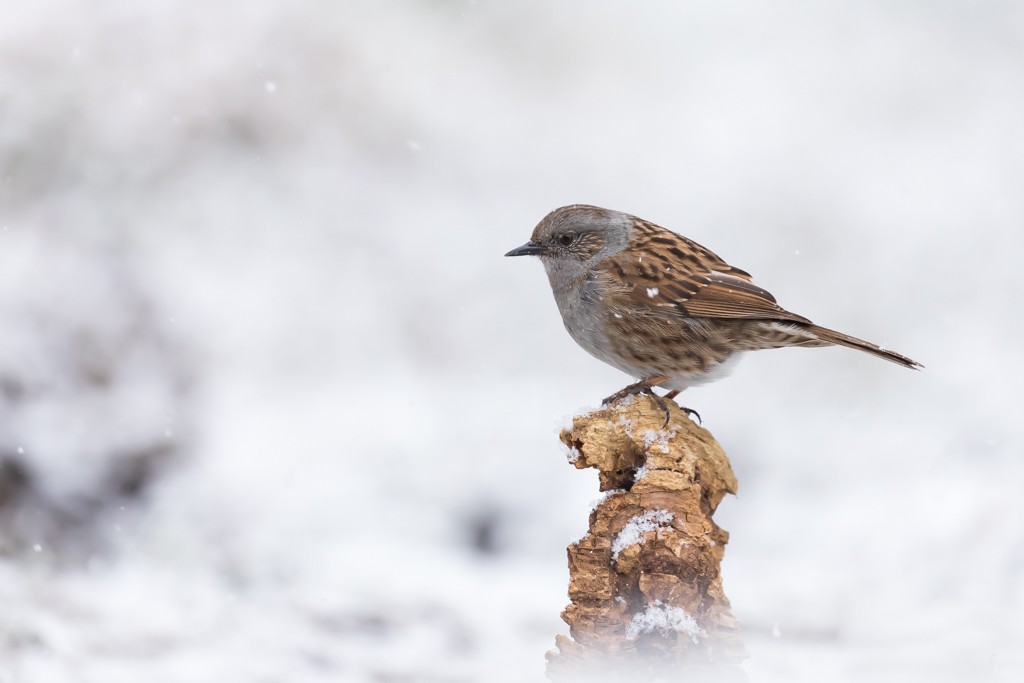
(645,581)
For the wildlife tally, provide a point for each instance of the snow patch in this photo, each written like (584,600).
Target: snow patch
(660,438)
(626,401)
(665,619)
(603,497)
(626,423)
(633,531)
(565,424)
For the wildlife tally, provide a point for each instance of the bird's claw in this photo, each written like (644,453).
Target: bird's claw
(646,388)
(663,404)
(691,411)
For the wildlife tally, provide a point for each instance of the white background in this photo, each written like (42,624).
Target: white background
(280,227)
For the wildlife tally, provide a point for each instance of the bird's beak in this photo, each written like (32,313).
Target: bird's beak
(528,249)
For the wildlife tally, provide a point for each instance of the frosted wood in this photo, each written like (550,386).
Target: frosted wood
(645,581)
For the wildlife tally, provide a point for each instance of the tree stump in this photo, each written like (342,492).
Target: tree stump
(645,582)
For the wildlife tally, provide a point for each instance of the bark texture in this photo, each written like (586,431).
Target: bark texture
(645,581)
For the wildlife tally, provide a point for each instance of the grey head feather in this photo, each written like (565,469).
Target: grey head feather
(600,234)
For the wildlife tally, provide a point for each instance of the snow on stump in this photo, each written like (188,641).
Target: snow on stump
(645,582)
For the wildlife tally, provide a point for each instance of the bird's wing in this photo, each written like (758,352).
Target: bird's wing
(728,296)
(666,275)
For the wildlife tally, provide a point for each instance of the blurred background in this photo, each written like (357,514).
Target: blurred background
(273,406)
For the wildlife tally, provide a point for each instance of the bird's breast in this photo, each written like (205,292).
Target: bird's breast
(583,314)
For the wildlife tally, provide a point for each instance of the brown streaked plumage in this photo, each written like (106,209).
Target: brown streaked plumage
(661,307)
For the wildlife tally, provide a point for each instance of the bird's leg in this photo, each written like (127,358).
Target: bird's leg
(641,387)
(644,386)
(663,404)
(689,411)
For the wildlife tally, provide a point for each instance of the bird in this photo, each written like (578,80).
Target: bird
(660,307)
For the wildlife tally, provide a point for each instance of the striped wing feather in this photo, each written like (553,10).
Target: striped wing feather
(666,275)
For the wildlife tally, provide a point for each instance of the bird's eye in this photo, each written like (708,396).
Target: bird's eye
(568,238)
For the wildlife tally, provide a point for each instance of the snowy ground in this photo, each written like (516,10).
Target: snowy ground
(273,407)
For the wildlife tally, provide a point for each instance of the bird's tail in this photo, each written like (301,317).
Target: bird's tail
(833,337)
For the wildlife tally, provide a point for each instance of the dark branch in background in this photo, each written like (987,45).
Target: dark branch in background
(97,366)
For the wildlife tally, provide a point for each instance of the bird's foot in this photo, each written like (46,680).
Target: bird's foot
(644,387)
(689,411)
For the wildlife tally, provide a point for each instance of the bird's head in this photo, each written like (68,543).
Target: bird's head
(573,239)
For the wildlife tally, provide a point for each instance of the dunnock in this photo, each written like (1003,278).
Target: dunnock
(659,306)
